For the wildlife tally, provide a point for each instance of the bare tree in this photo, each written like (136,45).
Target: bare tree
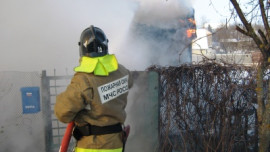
(261,37)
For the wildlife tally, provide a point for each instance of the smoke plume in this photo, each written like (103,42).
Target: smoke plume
(156,36)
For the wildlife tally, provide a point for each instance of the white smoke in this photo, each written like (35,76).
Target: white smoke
(161,13)
(155,35)
(147,44)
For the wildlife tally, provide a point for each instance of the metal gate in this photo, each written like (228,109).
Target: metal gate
(51,87)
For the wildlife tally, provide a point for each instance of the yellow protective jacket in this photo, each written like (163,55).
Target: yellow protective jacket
(97,100)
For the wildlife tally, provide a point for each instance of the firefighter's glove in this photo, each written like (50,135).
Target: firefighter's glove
(79,118)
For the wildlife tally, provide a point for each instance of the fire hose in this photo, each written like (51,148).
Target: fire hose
(66,137)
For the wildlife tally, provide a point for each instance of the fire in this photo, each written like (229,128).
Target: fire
(191,32)
(192,21)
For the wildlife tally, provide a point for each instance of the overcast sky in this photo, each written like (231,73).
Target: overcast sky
(43,35)
(212,11)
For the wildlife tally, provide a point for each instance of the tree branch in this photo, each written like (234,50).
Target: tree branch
(265,41)
(240,14)
(249,28)
(263,36)
(242,31)
(264,18)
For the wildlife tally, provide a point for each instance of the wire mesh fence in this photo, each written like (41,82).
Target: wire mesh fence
(207,108)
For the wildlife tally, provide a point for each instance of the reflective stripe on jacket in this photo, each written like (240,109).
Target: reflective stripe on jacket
(97,150)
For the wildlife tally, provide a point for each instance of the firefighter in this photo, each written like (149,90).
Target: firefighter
(96,98)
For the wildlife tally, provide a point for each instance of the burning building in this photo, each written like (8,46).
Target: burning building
(161,33)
